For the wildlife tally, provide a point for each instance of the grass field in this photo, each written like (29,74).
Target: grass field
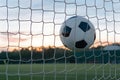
(60,72)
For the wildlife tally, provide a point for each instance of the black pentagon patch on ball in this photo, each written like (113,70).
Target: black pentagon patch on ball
(81,44)
(66,31)
(84,26)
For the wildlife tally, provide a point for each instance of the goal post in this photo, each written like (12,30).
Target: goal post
(30,45)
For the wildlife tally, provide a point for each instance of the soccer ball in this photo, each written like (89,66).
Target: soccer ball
(77,33)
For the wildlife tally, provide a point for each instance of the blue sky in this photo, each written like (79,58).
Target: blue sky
(44,17)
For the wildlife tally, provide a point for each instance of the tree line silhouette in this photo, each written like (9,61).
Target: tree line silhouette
(25,55)
(58,55)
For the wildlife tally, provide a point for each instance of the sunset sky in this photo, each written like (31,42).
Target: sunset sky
(36,23)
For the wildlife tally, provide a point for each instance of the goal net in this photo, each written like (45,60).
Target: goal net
(31,49)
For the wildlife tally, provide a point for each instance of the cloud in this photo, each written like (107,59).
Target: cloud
(11,37)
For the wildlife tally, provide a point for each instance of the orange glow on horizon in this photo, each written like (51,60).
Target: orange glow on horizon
(40,48)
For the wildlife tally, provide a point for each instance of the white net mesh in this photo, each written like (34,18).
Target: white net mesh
(30,47)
